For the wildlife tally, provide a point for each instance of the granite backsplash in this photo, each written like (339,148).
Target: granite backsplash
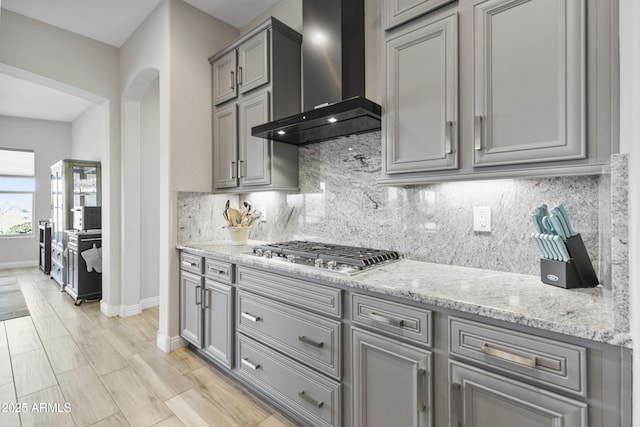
(340,202)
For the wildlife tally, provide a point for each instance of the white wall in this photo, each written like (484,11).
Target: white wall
(87,134)
(630,143)
(51,141)
(85,68)
(287,11)
(149,195)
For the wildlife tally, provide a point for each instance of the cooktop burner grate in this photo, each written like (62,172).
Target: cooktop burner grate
(326,253)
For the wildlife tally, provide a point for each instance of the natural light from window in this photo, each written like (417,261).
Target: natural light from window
(17,187)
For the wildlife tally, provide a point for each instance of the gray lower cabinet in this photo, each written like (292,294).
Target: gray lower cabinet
(207,307)
(191,307)
(391,382)
(218,321)
(482,399)
(311,396)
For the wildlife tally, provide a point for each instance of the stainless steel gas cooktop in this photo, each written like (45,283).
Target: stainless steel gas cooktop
(343,259)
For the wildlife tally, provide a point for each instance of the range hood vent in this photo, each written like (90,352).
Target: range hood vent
(333,77)
(349,117)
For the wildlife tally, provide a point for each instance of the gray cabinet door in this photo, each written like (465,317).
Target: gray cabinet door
(529,81)
(224,78)
(255,156)
(421,97)
(191,308)
(397,12)
(483,399)
(225,153)
(253,62)
(218,321)
(391,382)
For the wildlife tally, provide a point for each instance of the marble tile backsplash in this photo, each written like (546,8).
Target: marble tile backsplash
(341,202)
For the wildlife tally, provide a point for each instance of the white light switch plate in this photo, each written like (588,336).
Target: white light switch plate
(482,219)
(263,209)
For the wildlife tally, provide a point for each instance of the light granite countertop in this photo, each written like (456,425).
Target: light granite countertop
(516,298)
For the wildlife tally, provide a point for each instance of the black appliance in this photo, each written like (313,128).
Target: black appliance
(333,58)
(343,259)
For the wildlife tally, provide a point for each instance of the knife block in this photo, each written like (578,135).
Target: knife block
(578,272)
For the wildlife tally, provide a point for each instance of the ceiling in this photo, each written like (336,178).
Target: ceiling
(108,21)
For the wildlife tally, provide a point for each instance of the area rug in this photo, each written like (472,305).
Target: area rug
(12,303)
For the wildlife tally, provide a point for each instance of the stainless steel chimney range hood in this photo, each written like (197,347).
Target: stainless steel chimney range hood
(333,77)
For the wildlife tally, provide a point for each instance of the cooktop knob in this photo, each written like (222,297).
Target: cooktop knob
(332,264)
(319,262)
(292,258)
(267,254)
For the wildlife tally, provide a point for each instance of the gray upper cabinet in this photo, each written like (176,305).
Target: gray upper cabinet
(267,87)
(421,96)
(483,399)
(529,81)
(254,159)
(391,382)
(224,78)
(225,153)
(499,89)
(253,62)
(397,12)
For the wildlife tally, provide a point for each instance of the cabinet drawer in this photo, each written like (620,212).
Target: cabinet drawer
(411,323)
(311,339)
(219,271)
(56,254)
(192,263)
(57,272)
(546,361)
(308,394)
(311,296)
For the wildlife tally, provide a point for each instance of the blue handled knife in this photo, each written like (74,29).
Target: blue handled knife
(549,239)
(563,215)
(559,243)
(543,250)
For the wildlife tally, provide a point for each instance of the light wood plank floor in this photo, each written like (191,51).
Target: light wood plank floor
(67,365)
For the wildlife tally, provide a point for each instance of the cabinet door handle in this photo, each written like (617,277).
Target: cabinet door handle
(198,288)
(455,396)
(528,361)
(309,341)
(239,76)
(304,396)
(385,319)
(477,132)
(232,169)
(250,365)
(422,380)
(250,317)
(207,298)
(448,130)
(240,168)
(232,80)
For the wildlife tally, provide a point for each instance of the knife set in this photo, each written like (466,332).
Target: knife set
(565,262)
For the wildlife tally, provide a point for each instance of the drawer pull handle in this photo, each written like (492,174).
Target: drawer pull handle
(189,264)
(528,361)
(317,403)
(309,341)
(455,396)
(221,272)
(250,317)
(250,365)
(385,319)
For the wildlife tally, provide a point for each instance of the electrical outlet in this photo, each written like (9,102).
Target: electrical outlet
(263,209)
(482,219)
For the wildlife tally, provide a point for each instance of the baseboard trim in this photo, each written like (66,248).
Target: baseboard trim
(168,344)
(109,310)
(130,310)
(150,302)
(19,264)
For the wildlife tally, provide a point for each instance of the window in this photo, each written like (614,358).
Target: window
(17,186)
